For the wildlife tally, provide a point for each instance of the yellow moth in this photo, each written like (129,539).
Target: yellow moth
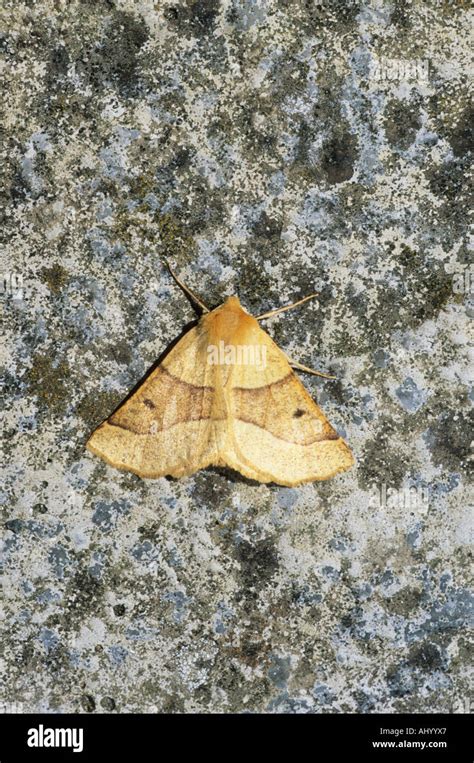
(225,395)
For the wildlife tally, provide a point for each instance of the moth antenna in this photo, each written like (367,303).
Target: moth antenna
(295,364)
(188,291)
(287,307)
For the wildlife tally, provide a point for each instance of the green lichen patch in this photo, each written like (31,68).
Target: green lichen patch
(48,381)
(56,277)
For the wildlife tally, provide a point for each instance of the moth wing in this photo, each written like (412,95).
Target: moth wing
(166,427)
(279,434)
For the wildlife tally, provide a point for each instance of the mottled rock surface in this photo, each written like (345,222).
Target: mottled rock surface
(268,149)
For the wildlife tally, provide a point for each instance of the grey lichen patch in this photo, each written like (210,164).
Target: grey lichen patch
(378,462)
(112,59)
(255,147)
(451,439)
(402,121)
(339,154)
(96,406)
(258,563)
(461,136)
(193,18)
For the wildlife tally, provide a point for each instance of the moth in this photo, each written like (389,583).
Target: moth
(224,395)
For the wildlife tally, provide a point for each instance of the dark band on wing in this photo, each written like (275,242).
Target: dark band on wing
(162,402)
(285,410)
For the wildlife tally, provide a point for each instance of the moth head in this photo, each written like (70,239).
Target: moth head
(233,304)
(228,321)
(231,310)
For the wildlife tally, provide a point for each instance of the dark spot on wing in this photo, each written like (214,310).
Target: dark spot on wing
(149,403)
(298,413)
